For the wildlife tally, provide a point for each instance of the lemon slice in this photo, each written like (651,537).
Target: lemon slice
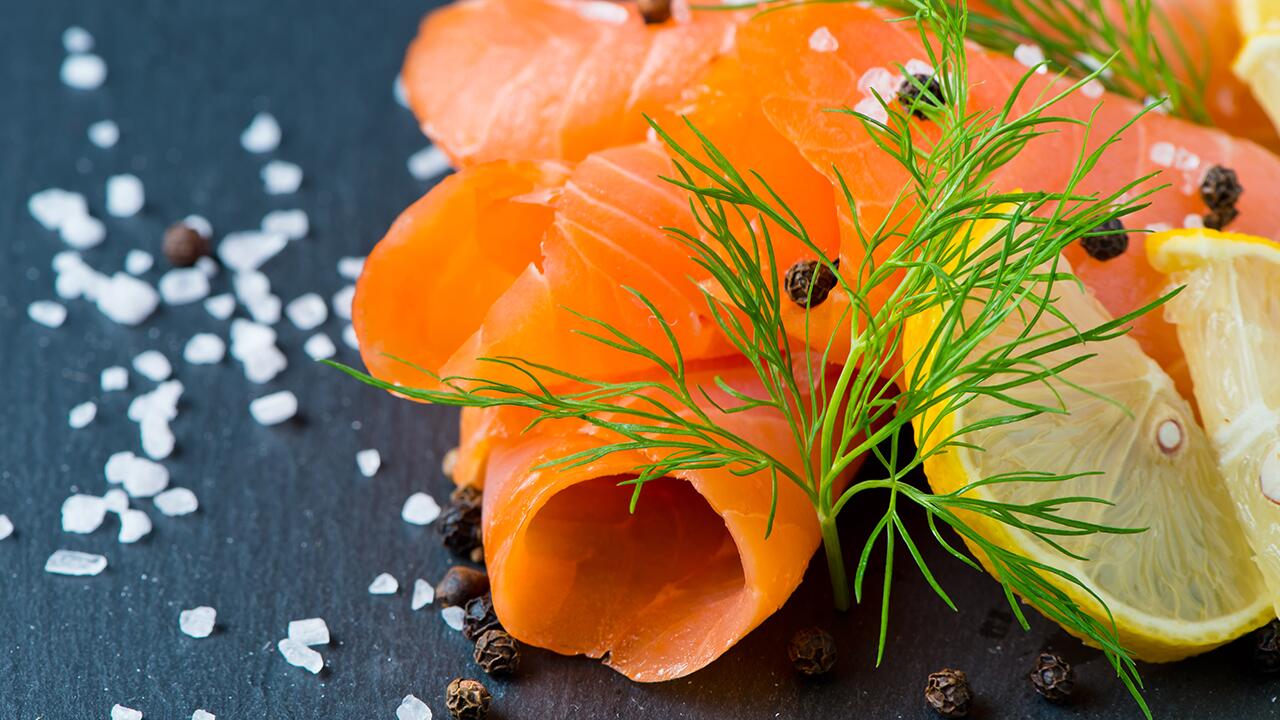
(1254,16)
(1228,320)
(1258,63)
(1183,586)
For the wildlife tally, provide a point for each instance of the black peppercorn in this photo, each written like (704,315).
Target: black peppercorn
(479,617)
(655,11)
(1053,677)
(1220,218)
(460,531)
(467,699)
(1106,241)
(497,653)
(809,282)
(184,245)
(812,651)
(1220,188)
(459,585)
(466,496)
(925,91)
(1266,648)
(947,692)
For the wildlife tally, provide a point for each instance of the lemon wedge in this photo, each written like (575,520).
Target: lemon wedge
(1255,16)
(1185,585)
(1258,62)
(1228,320)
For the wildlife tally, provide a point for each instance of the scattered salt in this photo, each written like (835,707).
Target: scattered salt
(120,712)
(275,408)
(127,300)
(204,349)
(1193,220)
(153,365)
(427,163)
(411,708)
(82,514)
(249,249)
(351,267)
(203,715)
(125,195)
(342,302)
(198,622)
(134,525)
(397,91)
(1163,153)
(823,41)
(83,71)
(281,178)
(312,631)
(319,347)
(77,279)
(384,584)
(76,39)
(177,502)
(605,12)
(349,337)
(47,313)
(161,402)
(114,378)
(115,500)
(262,365)
(1031,56)
(184,285)
(423,594)
(157,437)
(299,655)
(1093,89)
(104,133)
(144,478)
(247,336)
(292,224)
(64,260)
(307,312)
(72,562)
(368,461)
(52,207)
(118,466)
(262,135)
(453,616)
(220,306)
(137,262)
(420,509)
(83,231)
(6,527)
(82,414)
(200,224)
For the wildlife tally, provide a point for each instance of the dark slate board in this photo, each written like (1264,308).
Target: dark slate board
(287,528)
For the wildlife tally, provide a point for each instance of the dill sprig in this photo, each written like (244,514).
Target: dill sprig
(952,243)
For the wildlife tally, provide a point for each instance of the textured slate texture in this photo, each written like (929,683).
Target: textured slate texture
(287,527)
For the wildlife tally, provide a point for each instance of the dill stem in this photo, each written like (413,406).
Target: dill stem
(835,561)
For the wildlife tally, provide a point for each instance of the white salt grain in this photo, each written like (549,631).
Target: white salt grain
(47,313)
(247,336)
(152,365)
(423,594)
(198,622)
(427,163)
(125,195)
(177,502)
(292,224)
(411,708)
(220,306)
(265,309)
(83,71)
(118,466)
(281,178)
(200,224)
(82,414)
(207,265)
(137,262)
(52,207)
(398,92)
(76,39)
(64,260)
(275,408)
(823,41)
(134,525)
(6,527)
(384,584)
(262,135)
(368,461)
(349,337)
(351,267)
(144,478)
(161,402)
(420,509)
(204,349)
(307,312)
(105,134)
(203,715)
(120,712)
(319,347)
(157,437)
(82,514)
(312,631)
(299,655)
(72,562)
(127,300)
(1031,56)
(249,249)
(262,365)
(181,286)
(115,500)
(82,232)
(342,302)
(453,616)
(605,12)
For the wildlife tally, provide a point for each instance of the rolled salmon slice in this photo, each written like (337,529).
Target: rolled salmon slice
(658,593)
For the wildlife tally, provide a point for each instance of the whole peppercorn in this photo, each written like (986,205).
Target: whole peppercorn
(459,527)
(655,11)
(467,496)
(497,653)
(479,617)
(459,585)
(925,91)
(947,692)
(812,651)
(1266,648)
(1220,188)
(1106,241)
(467,699)
(809,282)
(184,245)
(1053,677)
(1220,218)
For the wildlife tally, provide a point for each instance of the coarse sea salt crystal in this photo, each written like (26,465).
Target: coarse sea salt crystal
(351,267)
(384,584)
(181,286)
(82,232)
(411,708)
(1163,153)
(72,562)
(342,301)
(144,478)
(1193,220)
(177,502)
(157,437)
(605,12)
(275,408)
(398,92)
(1093,89)
(82,414)
(114,378)
(420,509)
(198,622)
(115,500)
(104,133)
(153,365)
(311,631)
(423,594)
(307,312)
(120,712)
(47,313)
(262,365)
(872,108)
(134,525)
(1031,56)
(6,527)
(127,300)
(79,280)
(262,134)
(200,224)
(319,347)
(125,195)
(82,514)
(83,71)
(293,224)
(249,249)
(821,40)
(299,655)
(220,306)
(247,335)
(161,402)
(428,163)
(453,616)
(204,349)
(203,715)
(136,262)
(281,178)
(368,461)
(76,39)
(52,207)
(349,337)
(117,467)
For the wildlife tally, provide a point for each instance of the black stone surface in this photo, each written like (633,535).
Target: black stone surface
(287,528)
